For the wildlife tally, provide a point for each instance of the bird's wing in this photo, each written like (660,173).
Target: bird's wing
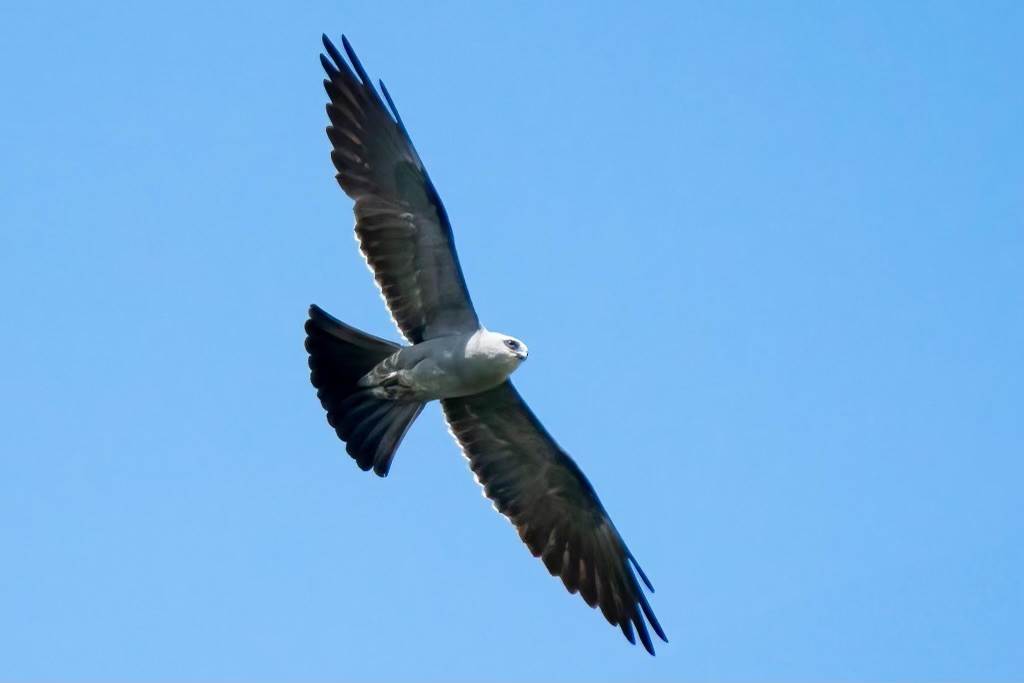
(401,225)
(542,491)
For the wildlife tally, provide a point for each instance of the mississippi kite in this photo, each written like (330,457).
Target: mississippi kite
(373,389)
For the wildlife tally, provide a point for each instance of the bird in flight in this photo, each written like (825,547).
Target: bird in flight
(373,389)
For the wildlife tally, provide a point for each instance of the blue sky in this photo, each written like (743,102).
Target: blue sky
(767,259)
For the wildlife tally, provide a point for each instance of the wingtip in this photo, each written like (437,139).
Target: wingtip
(645,605)
(645,638)
(335,57)
(640,571)
(391,105)
(317,314)
(356,64)
(329,67)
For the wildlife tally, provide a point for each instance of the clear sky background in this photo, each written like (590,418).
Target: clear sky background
(767,257)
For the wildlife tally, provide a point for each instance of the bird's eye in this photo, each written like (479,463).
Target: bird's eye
(512,344)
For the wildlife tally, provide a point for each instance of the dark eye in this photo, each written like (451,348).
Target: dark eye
(512,344)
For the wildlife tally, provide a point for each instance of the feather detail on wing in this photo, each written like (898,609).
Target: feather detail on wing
(552,505)
(401,225)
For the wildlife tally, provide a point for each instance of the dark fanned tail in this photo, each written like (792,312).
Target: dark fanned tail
(339,355)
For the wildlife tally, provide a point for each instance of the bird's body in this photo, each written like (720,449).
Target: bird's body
(446,367)
(373,389)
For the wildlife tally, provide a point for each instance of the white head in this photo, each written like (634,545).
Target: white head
(501,349)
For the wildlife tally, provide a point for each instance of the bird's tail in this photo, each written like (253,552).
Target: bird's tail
(339,355)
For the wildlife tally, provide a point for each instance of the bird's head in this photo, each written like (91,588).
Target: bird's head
(515,347)
(499,351)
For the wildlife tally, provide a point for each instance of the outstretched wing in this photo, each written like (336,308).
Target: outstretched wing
(541,490)
(401,225)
